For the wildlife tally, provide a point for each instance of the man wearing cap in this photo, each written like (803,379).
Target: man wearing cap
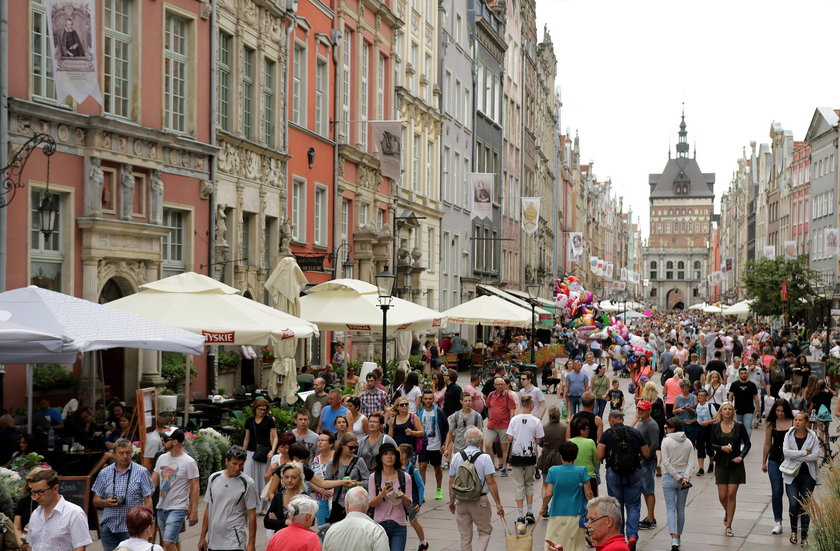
(650,431)
(744,396)
(626,488)
(177,474)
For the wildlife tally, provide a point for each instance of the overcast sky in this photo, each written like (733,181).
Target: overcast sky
(625,68)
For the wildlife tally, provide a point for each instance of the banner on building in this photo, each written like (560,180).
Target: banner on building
(575,250)
(530,214)
(72,26)
(482,186)
(727,264)
(602,267)
(624,273)
(609,269)
(593,264)
(646,282)
(770,251)
(790,250)
(387,136)
(832,242)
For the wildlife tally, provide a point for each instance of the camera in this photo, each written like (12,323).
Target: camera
(120,500)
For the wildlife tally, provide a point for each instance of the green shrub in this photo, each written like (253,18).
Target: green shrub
(173,368)
(53,376)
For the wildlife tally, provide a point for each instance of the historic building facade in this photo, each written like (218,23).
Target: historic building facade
(681,211)
(518,15)
(822,138)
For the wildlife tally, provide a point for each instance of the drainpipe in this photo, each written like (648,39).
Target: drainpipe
(522,258)
(335,41)
(212,381)
(289,33)
(4,126)
(554,215)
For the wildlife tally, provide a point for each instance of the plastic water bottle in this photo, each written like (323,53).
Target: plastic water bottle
(51,440)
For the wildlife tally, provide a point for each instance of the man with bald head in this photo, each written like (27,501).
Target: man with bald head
(501,407)
(331,411)
(316,402)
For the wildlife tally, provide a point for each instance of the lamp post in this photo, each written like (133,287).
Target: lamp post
(385,286)
(533,293)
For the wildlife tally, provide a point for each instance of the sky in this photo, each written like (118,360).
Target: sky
(625,68)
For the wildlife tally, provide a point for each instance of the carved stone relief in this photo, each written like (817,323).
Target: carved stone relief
(126,191)
(155,197)
(93,187)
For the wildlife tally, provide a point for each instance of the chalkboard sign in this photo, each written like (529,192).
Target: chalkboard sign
(75,489)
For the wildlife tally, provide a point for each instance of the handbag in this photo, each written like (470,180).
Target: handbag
(261,453)
(791,467)
(515,542)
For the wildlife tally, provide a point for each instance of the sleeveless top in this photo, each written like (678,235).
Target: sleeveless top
(400,437)
(358,429)
(777,439)
(593,427)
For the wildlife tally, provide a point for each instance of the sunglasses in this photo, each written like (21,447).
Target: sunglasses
(352,447)
(402,405)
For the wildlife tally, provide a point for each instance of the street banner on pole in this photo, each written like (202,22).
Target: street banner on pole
(593,264)
(482,186)
(609,269)
(790,250)
(646,282)
(72,26)
(832,241)
(575,250)
(530,214)
(624,274)
(387,136)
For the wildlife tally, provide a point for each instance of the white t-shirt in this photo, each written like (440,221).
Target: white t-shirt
(153,445)
(412,396)
(229,500)
(175,474)
(589,370)
(539,399)
(525,429)
(137,544)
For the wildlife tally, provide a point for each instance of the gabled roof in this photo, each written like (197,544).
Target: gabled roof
(824,120)
(682,169)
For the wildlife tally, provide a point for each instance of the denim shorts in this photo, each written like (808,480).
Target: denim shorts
(170,522)
(648,472)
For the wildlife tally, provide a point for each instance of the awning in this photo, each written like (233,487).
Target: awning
(514,299)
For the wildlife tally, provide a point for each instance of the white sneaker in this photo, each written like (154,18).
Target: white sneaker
(777,528)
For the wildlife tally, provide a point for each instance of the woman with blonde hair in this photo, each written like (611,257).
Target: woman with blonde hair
(716,389)
(731,444)
(291,484)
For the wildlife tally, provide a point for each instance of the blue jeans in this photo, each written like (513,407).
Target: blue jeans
(323,512)
(777,487)
(628,491)
(747,420)
(674,503)
(575,404)
(111,540)
(600,406)
(799,491)
(396,535)
(170,522)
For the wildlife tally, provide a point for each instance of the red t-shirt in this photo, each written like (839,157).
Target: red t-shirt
(294,538)
(498,410)
(615,543)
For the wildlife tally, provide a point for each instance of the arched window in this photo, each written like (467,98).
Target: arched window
(669,265)
(653,273)
(681,265)
(696,264)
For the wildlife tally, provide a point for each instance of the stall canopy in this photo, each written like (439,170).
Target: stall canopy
(698,306)
(489,289)
(353,305)
(630,314)
(84,326)
(739,308)
(620,305)
(715,309)
(208,307)
(12,333)
(489,310)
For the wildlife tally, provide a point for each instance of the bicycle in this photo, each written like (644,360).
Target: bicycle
(828,455)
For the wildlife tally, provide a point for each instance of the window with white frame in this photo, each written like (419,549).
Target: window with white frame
(117,24)
(43,80)
(346,82)
(447,92)
(299,85)
(46,255)
(462,181)
(363,96)
(380,219)
(345,219)
(428,74)
(224,72)
(248,69)
(321,216)
(444,258)
(415,163)
(173,242)
(364,210)
(269,79)
(430,244)
(456,175)
(444,176)
(458,101)
(458,23)
(466,113)
(322,102)
(415,65)
(299,210)
(480,83)
(247,254)
(380,87)
(428,189)
(176,55)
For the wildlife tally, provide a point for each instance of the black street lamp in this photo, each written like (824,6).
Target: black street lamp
(533,293)
(385,286)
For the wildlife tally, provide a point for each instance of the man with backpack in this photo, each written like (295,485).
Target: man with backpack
(459,422)
(623,448)
(470,479)
(525,432)
(230,519)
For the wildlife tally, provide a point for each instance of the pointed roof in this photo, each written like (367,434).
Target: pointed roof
(824,120)
(682,170)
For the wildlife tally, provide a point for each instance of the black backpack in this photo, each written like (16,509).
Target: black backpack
(622,457)
(718,342)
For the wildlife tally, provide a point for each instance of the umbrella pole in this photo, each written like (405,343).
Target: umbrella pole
(187,391)
(29,398)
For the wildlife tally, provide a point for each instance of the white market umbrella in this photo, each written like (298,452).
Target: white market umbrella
(698,306)
(715,309)
(353,305)
(12,333)
(489,310)
(630,314)
(739,308)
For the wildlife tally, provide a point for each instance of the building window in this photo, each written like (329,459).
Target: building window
(176,59)
(363,214)
(299,211)
(363,96)
(117,57)
(346,79)
(321,216)
(653,274)
(43,81)
(268,102)
(431,250)
(446,193)
(299,85)
(248,93)
(415,163)
(225,71)
(322,106)
(430,165)
(173,242)
(380,87)
(46,257)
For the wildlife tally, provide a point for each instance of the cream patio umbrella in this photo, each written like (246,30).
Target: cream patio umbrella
(698,306)
(353,305)
(203,305)
(489,310)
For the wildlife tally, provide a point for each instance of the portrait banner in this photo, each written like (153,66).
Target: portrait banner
(609,270)
(770,251)
(727,264)
(593,264)
(575,246)
(530,214)
(832,241)
(624,273)
(482,186)
(602,267)
(646,282)
(387,137)
(72,26)
(790,250)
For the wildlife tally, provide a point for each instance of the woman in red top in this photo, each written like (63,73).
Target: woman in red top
(298,534)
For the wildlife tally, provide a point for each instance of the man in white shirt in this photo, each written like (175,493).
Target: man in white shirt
(56,524)
(589,367)
(524,432)
(527,381)
(357,531)
(177,474)
(230,519)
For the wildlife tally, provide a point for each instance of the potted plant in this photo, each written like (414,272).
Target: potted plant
(228,361)
(173,368)
(167,400)
(833,372)
(267,354)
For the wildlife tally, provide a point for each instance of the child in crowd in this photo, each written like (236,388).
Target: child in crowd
(616,397)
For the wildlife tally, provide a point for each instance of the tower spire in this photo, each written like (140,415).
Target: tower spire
(682,143)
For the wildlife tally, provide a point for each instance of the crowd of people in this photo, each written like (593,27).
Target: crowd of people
(353,472)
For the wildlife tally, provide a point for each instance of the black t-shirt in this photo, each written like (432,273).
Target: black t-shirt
(636,438)
(452,399)
(743,393)
(593,427)
(821,399)
(694,372)
(488,387)
(260,432)
(24,509)
(716,365)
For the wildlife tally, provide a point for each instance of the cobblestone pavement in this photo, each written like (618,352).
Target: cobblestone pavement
(703,529)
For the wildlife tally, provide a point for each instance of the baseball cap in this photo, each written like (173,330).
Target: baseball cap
(643,379)
(644,404)
(176,434)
